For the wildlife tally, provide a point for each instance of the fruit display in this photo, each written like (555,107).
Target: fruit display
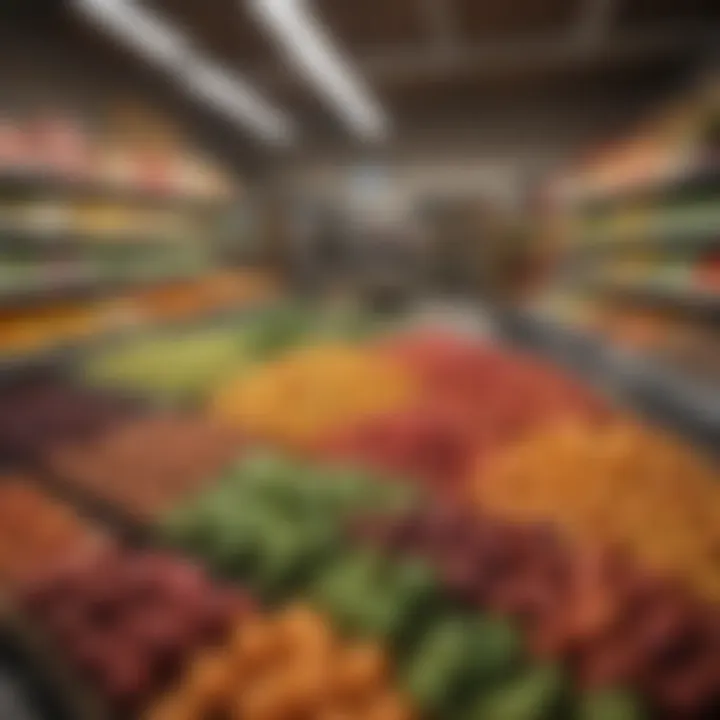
(39,413)
(200,359)
(473,400)
(128,620)
(148,465)
(616,485)
(283,665)
(297,400)
(432,526)
(432,446)
(39,329)
(206,294)
(36,530)
(273,521)
(604,618)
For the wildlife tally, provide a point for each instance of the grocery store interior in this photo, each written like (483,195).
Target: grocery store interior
(359,360)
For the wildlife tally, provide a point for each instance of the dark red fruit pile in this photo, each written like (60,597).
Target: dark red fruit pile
(610,622)
(128,621)
(431,446)
(39,413)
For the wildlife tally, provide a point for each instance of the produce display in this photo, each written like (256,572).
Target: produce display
(431,527)
(36,530)
(39,413)
(473,400)
(147,465)
(127,620)
(285,665)
(37,329)
(204,358)
(212,292)
(42,328)
(274,521)
(297,400)
(619,485)
(200,359)
(609,622)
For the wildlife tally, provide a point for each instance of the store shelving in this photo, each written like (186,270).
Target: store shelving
(664,394)
(688,180)
(61,186)
(82,287)
(688,299)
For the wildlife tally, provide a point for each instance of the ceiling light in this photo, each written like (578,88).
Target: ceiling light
(237,99)
(310,47)
(143,31)
(160,43)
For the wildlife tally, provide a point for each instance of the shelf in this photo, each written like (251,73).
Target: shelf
(672,243)
(686,299)
(83,288)
(89,189)
(684,183)
(22,238)
(64,354)
(663,394)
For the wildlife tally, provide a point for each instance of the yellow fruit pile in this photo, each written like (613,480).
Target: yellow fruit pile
(619,484)
(286,666)
(297,400)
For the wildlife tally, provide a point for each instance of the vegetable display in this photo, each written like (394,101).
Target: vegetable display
(620,485)
(297,400)
(340,527)
(149,465)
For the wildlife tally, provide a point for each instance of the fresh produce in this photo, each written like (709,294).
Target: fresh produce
(127,621)
(275,522)
(500,394)
(286,665)
(458,658)
(179,366)
(297,400)
(37,414)
(189,298)
(371,596)
(36,530)
(594,611)
(473,400)
(433,446)
(27,331)
(147,466)
(621,485)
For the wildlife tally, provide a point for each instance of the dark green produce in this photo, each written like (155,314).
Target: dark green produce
(541,693)
(611,704)
(458,655)
(372,596)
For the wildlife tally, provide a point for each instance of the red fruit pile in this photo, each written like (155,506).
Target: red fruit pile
(475,399)
(129,620)
(610,622)
(36,530)
(432,447)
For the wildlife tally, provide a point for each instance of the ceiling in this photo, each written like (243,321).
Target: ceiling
(435,63)
(429,60)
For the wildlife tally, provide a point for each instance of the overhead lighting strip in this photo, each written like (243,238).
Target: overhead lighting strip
(161,44)
(310,48)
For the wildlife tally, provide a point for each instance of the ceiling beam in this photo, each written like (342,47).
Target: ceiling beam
(595,21)
(441,21)
(408,64)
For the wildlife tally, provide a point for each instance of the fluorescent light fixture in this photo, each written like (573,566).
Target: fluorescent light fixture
(160,43)
(144,32)
(238,100)
(309,46)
